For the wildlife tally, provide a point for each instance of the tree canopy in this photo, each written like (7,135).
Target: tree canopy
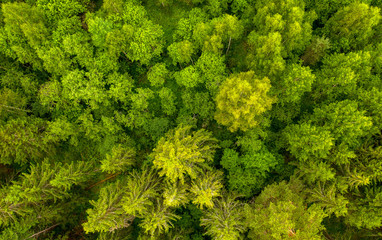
(190,119)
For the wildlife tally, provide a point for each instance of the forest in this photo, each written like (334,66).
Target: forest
(190,119)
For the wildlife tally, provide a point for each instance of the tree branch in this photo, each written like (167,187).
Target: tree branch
(2,105)
(43,231)
(229,44)
(103,180)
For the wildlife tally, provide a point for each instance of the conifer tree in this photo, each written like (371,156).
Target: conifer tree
(23,140)
(183,153)
(107,213)
(121,202)
(226,219)
(280,212)
(205,188)
(119,159)
(158,220)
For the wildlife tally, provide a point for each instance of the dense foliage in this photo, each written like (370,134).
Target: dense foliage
(190,119)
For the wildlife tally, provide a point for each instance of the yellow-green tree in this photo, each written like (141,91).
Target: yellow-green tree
(182,153)
(352,26)
(226,219)
(241,100)
(205,188)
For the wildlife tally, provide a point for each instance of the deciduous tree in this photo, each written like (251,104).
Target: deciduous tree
(241,100)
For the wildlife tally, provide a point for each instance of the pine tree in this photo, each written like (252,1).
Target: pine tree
(226,219)
(23,140)
(158,220)
(205,188)
(280,212)
(183,153)
(107,214)
(175,194)
(141,191)
(118,160)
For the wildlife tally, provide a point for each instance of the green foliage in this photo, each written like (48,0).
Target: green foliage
(185,26)
(341,74)
(42,197)
(141,190)
(293,84)
(188,77)
(182,153)
(241,100)
(157,74)
(158,220)
(211,36)
(343,119)
(265,57)
(371,102)
(120,87)
(212,70)
(118,160)
(24,31)
(23,140)
(61,9)
(315,51)
(48,181)
(366,215)
(111,112)
(328,198)
(249,171)
(316,171)
(282,30)
(107,213)
(352,26)
(306,141)
(181,52)
(198,104)
(225,219)
(206,187)
(175,194)
(12,104)
(280,212)
(326,8)
(167,100)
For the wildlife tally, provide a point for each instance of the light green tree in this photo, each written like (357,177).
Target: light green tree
(23,140)
(107,213)
(142,187)
(205,188)
(23,32)
(119,159)
(241,100)
(158,220)
(352,26)
(183,153)
(281,212)
(212,69)
(266,56)
(346,123)
(157,74)
(47,185)
(181,52)
(226,219)
(168,100)
(175,194)
(305,141)
(188,77)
